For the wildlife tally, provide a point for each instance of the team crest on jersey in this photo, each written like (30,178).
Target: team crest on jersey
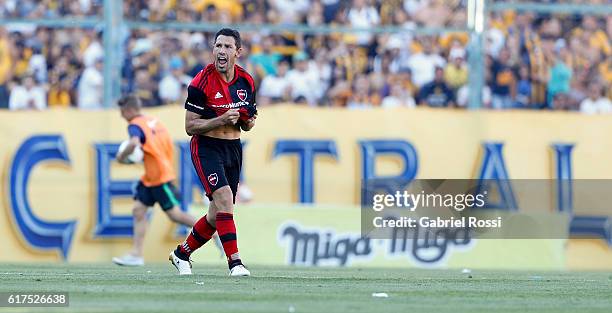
(242,94)
(213,179)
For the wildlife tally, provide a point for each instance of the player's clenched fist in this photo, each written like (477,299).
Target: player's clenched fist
(230,117)
(250,123)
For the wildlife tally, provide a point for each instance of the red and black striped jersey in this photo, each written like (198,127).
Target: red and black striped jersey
(210,96)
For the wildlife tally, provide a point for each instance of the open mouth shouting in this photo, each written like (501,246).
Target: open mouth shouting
(222,61)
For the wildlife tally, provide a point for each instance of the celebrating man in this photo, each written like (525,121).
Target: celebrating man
(220,103)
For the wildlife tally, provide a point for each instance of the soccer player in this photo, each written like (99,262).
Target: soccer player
(155,186)
(220,103)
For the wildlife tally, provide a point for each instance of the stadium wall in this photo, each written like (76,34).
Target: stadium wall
(64,199)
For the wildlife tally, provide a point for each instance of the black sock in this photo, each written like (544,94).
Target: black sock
(180,254)
(234,263)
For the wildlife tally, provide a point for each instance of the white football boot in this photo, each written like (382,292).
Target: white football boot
(129,260)
(239,270)
(183,267)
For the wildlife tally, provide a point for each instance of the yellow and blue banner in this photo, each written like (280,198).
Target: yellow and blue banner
(65,199)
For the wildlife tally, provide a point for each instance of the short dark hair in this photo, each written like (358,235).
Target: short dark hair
(230,32)
(129,101)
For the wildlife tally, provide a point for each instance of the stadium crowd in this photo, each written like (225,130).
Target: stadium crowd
(532,61)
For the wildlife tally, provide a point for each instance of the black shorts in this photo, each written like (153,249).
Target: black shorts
(165,194)
(217,162)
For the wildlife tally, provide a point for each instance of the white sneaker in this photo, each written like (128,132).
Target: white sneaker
(128,260)
(183,267)
(239,270)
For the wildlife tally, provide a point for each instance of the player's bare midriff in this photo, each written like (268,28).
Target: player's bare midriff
(225,132)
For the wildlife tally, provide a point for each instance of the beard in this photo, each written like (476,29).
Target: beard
(221,69)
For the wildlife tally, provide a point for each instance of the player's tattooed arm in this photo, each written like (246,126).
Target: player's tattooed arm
(196,125)
(134,142)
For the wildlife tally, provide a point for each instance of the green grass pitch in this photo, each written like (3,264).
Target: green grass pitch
(157,288)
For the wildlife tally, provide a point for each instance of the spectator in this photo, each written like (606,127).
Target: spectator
(401,18)
(146,88)
(274,88)
(322,69)
(561,102)
(388,61)
(560,74)
(423,64)
(437,93)
(494,41)
(59,93)
(203,59)
(339,94)
(399,97)
(414,6)
(360,95)
(38,65)
(291,10)
(523,88)
(315,16)
(578,92)
(377,82)
(94,50)
(266,61)
(22,60)
(504,82)
(404,77)
(527,47)
(91,86)
(303,83)
(433,13)
(595,37)
(330,9)
(456,73)
(5,68)
(172,86)
(463,96)
(596,102)
(27,96)
(605,69)
(362,15)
